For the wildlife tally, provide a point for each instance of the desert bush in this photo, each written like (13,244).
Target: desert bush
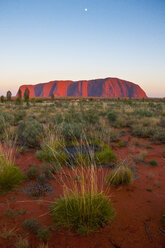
(7,233)
(85,213)
(32,172)
(44,234)
(5,121)
(141,157)
(10,174)
(90,116)
(159,134)
(143,113)
(18,116)
(30,133)
(52,149)
(82,160)
(163,220)
(32,225)
(120,175)
(22,242)
(142,131)
(112,116)
(162,122)
(105,156)
(153,162)
(72,131)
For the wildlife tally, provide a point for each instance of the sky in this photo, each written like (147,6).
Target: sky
(45,40)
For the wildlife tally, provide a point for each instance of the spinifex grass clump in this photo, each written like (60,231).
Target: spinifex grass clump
(105,156)
(52,149)
(84,206)
(120,175)
(10,174)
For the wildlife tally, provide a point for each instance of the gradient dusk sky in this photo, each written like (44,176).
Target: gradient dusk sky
(44,40)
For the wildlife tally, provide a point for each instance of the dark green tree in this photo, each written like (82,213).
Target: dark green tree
(52,97)
(2,99)
(20,94)
(8,95)
(26,95)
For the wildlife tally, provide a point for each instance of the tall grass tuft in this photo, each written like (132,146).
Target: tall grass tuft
(122,174)
(10,174)
(84,205)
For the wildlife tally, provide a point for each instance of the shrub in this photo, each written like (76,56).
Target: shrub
(91,116)
(143,113)
(10,175)
(32,172)
(82,160)
(18,116)
(22,242)
(105,155)
(85,213)
(120,175)
(153,162)
(112,116)
(30,132)
(163,220)
(72,131)
(159,134)
(44,234)
(32,225)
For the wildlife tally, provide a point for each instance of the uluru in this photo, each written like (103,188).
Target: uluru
(108,87)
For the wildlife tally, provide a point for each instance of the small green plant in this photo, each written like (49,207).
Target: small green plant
(10,213)
(153,162)
(7,233)
(163,153)
(30,133)
(10,175)
(85,213)
(163,220)
(44,234)
(122,144)
(105,156)
(81,160)
(120,175)
(149,190)
(32,172)
(22,242)
(112,116)
(32,225)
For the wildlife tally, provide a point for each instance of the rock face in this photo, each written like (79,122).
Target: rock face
(109,87)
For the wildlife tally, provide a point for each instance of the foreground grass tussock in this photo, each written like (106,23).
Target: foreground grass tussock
(10,174)
(85,213)
(120,175)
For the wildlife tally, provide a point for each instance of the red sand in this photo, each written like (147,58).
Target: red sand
(133,204)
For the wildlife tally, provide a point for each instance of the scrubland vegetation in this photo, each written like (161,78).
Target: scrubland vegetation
(77,144)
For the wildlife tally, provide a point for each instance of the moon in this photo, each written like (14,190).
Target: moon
(86,9)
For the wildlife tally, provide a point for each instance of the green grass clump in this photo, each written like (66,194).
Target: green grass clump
(105,156)
(10,175)
(82,160)
(32,172)
(120,175)
(44,234)
(153,163)
(32,225)
(30,132)
(85,213)
(163,220)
